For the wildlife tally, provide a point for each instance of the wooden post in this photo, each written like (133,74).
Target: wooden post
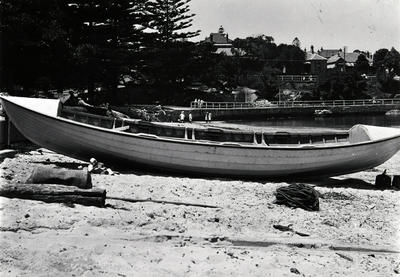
(8,131)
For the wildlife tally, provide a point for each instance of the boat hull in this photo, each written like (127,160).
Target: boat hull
(83,141)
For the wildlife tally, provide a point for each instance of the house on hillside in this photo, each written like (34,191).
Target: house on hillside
(351,58)
(336,62)
(221,41)
(343,59)
(315,64)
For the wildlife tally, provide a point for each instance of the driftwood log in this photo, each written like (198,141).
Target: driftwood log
(67,177)
(51,193)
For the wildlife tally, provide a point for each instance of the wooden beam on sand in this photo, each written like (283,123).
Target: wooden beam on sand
(51,193)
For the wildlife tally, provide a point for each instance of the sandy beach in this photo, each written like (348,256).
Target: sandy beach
(355,233)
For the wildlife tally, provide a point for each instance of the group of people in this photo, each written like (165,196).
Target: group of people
(182,117)
(207,117)
(198,103)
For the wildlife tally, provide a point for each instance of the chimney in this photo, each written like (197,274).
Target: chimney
(312,49)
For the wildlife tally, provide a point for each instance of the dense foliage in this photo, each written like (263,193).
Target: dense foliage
(142,46)
(387,65)
(56,44)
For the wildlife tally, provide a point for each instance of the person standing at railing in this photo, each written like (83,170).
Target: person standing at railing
(190,118)
(209,117)
(182,117)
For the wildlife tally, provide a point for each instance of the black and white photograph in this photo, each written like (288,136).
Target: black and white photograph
(199,138)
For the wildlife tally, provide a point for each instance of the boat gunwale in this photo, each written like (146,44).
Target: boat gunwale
(301,147)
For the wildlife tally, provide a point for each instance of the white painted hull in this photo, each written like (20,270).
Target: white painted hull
(189,156)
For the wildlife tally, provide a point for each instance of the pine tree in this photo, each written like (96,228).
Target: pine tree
(34,46)
(170,19)
(107,36)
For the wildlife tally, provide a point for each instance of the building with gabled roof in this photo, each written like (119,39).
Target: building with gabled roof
(336,61)
(314,57)
(221,41)
(316,63)
(345,59)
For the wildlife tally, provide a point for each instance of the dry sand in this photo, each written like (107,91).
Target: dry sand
(152,239)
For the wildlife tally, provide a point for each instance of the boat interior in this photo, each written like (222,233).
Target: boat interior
(224,136)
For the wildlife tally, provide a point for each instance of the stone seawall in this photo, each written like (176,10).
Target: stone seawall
(264,113)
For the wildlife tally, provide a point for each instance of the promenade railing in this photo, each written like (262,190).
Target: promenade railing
(298,78)
(293,104)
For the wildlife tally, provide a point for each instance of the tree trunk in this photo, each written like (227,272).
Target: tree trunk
(51,193)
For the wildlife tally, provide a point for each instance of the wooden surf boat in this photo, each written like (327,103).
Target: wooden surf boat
(196,151)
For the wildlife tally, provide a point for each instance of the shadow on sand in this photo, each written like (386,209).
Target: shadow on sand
(332,182)
(140,170)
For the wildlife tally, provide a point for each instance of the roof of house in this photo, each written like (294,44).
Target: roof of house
(335,59)
(218,38)
(314,57)
(350,58)
(327,53)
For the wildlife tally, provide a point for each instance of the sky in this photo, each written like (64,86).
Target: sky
(357,24)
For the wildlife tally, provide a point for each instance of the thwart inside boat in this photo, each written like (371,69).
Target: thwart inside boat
(356,134)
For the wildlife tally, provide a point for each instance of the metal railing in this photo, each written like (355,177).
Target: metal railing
(292,104)
(298,78)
